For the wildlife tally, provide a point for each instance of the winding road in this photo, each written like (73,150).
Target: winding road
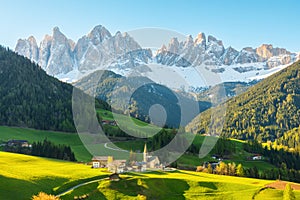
(115,149)
(79,185)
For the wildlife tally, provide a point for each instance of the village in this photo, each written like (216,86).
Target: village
(120,166)
(148,163)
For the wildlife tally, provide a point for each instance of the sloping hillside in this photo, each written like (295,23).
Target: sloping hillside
(270,110)
(31,98)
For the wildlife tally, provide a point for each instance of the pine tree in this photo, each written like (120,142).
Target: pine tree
(209,169)
(240,170)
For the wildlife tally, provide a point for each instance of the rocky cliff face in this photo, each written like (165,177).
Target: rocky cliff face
(213,53)
(58,55)
(28,48)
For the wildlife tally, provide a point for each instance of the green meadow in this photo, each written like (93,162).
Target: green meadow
(29,175)
(82,154)
(21,176)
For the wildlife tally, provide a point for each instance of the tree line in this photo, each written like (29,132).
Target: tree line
(46,149)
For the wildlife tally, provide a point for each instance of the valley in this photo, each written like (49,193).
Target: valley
(149,100)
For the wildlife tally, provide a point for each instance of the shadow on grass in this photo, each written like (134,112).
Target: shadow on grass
(26,189)
(209,185)
(152,188)
(90,191)
(156,172)
(134,174)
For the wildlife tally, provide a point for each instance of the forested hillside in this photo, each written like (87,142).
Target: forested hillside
(31,98)
(142,93)
(268,111)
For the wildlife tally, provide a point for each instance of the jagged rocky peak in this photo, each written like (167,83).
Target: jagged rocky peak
(229,56)
(215,46)
(60,56)
(99,34)
(173,46)
(123,43)
(189,42)
(28,48)
(212,39)
(58,36)
(246,55)
(44,51)
(162,49)
(267,51)
(200,39)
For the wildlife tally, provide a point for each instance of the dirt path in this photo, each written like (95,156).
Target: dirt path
(281,185)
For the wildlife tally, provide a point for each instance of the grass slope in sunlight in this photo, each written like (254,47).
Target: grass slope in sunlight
(21,176)
(178,185)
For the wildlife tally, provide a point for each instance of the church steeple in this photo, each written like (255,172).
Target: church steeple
(145,153)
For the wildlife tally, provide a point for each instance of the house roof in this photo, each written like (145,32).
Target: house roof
(152,158)
(102,158)
(114,176)
(118,162)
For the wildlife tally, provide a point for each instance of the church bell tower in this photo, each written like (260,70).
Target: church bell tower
(145,153)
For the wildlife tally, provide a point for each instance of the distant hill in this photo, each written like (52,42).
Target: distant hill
(135,96)
(31,98)
(270,110)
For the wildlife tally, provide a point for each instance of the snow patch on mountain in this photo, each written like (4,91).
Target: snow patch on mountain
(185,65)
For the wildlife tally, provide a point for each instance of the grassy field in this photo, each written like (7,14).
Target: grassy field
(22,176)
(32,135)
(178,185)
(72,139)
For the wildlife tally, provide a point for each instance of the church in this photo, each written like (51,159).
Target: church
(151,161)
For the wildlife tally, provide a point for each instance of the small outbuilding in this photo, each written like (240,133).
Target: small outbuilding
(114,177)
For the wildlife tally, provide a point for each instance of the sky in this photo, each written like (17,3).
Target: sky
(238,23)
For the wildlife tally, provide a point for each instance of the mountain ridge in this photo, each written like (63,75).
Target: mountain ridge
(99,49)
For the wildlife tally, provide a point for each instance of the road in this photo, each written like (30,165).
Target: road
(77,186)
(115,149)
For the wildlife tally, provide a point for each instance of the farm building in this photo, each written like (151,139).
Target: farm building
(100,161)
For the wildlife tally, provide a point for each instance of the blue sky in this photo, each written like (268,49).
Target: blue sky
(239,23)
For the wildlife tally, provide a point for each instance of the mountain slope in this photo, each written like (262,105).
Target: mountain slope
(265,112)
(136,95)
(31,98)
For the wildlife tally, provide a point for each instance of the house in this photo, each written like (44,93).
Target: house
(21,143)
(117,166)
(216,157)
(138,166)
(114,177)
(109,122)
(212,164)
(100,161)
(153,162)
(257,157)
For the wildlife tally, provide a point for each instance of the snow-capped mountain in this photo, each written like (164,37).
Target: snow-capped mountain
(178,64)
(213,53)
(59,55)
